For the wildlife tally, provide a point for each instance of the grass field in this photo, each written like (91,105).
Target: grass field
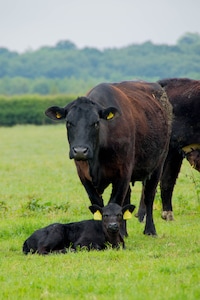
(39,185)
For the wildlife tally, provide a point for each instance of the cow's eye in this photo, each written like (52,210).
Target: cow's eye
(105,216)
(119,215)
(69,124)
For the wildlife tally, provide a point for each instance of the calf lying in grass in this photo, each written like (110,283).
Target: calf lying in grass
(90,234)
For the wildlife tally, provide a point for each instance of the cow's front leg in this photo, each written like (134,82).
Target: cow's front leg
(94,196)
(150,186)
(127,200)
(121,194)
(84,175)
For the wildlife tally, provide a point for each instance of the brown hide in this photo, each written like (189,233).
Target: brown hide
(184,95)
(119,133)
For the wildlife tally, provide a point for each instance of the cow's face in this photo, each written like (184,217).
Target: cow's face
(83,124)
(112,216)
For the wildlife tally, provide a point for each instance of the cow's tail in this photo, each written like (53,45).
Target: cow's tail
(26,248)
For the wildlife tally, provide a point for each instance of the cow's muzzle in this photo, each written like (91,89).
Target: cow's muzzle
(113,227)
(79,153)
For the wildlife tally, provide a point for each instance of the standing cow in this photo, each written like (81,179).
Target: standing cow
(184,95)
(119,133)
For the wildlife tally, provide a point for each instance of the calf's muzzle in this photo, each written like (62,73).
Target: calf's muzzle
(113,227)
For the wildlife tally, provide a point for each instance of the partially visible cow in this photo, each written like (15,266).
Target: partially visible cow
(184,95)
(119,133)
(90,234)
(193,156)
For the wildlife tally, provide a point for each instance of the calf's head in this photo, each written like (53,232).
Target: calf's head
(83,118)
(112,216)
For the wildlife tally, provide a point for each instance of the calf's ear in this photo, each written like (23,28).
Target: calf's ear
(109,113)
(97,212)
(97,216)
(127,211)
(55,113)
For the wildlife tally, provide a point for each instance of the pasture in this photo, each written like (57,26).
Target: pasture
(39,185)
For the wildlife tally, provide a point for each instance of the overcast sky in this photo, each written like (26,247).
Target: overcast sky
(31,24)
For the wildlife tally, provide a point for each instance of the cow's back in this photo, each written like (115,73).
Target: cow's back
(143,126)
(184,95)
(87,233)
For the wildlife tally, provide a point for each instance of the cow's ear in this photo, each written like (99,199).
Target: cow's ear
(109,113)
(127,211)
(97,216)
(97,212)
(56,113)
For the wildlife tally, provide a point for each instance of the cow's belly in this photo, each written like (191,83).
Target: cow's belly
(141,175)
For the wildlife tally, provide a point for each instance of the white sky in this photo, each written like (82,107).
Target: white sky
(31,24)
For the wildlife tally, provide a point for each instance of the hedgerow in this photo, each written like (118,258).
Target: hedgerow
(29,109)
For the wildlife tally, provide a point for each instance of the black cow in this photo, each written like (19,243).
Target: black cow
(184,95)
(90,234)
(119,133)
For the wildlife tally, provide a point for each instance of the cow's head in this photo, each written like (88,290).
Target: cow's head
(112,215)
(194,159)
(83,118)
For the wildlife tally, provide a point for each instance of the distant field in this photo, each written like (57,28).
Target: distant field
(39,185)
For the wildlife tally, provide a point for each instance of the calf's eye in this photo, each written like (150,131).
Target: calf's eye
(96,124)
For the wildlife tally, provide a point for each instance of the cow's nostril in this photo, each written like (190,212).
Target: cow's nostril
(80,150)
(80,153)
(113,226)
(85,150)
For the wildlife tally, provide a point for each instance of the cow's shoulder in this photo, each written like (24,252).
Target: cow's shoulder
(181,88)
(184,95)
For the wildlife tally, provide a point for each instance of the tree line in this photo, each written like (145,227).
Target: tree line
(64,68)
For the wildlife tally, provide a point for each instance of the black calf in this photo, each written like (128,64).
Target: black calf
(91,234)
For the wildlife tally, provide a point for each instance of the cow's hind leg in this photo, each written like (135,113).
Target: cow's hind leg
(123,230)
(142,208)
(149,190)
(168,179)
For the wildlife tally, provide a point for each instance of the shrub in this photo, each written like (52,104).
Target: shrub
(29,109)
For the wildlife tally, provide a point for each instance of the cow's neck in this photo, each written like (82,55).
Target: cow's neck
(94,170)
(114,239)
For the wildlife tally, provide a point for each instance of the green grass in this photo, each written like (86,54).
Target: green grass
(39,185)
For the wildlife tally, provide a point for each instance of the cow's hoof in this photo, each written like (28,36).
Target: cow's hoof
(150,233)
(167,215)
(150,230)
(141,216)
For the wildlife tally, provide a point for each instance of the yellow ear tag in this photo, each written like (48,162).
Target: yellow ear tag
(97,216)
(110,116)
(127,215)
(58,115)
